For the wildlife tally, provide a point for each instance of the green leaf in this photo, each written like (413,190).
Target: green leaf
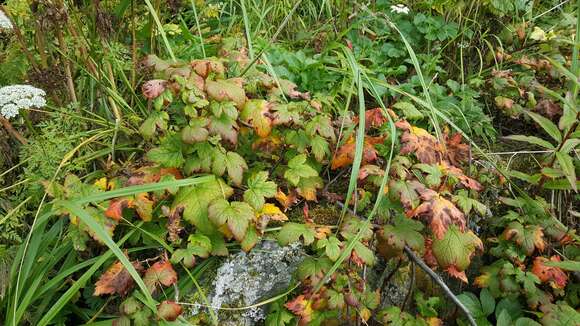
(548,126)
(331,247)
(467,203)
(472,304)
(236,165)
(157,119)
(313,268)
(298,168)
(433,173)
(196,131)
(226,90)
(292,232)
(169,153)
(250,239)
(404,231)
(567,165)
(237,215)
(196,200)
(532,140)
(364,253)
(319,147)
(409,110)
(259,188)
(487,302)
(322,125)
(278,315)
(456,248)
(504,319)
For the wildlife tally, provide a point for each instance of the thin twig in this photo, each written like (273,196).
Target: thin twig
(441,283)
(10,129)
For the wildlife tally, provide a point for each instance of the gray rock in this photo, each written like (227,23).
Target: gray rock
(245,279)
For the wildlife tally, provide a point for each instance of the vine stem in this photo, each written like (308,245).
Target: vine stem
(441,283)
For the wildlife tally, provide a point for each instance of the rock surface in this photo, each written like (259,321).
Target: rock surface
(246,279)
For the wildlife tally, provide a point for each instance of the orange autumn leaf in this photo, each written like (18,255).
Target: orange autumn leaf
(466,181)
(345,154)
(152,174)
(302,307)
(160,273)
(549,274)
(115,209)
(143,205)
(419,142)
(286,200)
(440,212)
(116,280)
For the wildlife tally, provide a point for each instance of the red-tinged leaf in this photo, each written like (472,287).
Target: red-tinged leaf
(373,118)
(419,142)
(549,274)
(454,251)
(160,273)
(116,280)
(549,109)
(440,212)
(115,209)
(370,169)
(457,152)
(529,238)
(452,271)
(257,113)
(345,154)
(204,67)
(169,310)
(153,88)
(302,307)
(466,181)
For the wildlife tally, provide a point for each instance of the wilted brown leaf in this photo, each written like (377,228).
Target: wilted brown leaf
(440,212)
(554,275)
(419,142)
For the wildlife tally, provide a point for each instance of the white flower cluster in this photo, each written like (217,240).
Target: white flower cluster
(13,98)
(400,9)
(4,21)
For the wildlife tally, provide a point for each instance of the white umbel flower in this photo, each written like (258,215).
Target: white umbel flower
(14,98)
(400,9)
(4,21)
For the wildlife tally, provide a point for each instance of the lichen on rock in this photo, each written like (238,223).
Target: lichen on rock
(246,279)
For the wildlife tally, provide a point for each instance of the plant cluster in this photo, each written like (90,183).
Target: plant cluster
(372,150)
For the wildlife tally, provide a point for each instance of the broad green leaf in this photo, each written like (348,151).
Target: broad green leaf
(250,239)
(433,173)
(409,110)
(292,232)
(298,168)
(532,140)
(456,248)
(196,200)
(237,216)
(364,253)
(549,127)
(331,247)
(567,165)
(169,153)
(157,120)
(226,90)
(467,203)
(236,165)
(322,125)
(404,231)
(259,188)
(487,302)
(471,302)
(196,131)
(319,147)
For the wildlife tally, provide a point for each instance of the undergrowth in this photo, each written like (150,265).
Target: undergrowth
(421,157)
